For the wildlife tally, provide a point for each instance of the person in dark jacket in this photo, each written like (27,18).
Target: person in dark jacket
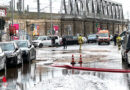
(64,42)
(114,39)
(53,41)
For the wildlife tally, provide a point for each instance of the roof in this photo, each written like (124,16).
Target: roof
(103,31)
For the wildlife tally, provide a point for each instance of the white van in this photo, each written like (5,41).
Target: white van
(42,41)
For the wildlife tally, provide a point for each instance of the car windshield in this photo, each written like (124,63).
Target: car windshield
(7,46)
(22,43)
(92,36)
(41,38)
(103,35)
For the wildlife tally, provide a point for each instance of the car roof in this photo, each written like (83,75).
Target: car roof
(92,34)
(20,40)
(7,42)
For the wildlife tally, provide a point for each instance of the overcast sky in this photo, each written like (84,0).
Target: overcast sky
(44,5)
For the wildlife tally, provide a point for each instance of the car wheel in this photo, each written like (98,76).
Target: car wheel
(5,66)
(108,43)
(99,43)
(57,44)
(28,58)
(123,60)
(127,61)
(34,56)
(41,45)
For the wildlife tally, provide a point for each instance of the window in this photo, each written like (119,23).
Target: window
(7,46)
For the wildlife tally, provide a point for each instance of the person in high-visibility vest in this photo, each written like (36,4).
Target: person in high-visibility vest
(80,41)
(118,41)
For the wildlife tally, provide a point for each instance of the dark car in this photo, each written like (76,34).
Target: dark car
(92,38)
(71,40)
(125,52)
(2,59)
(28,50)
(12,52)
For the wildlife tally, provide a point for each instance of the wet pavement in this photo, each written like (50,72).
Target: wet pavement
(40,75)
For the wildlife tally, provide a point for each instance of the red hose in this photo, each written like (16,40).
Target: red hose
(93,69)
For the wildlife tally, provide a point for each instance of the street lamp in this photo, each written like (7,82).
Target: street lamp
(51,17)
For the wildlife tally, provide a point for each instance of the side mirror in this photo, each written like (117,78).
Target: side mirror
(16,49)
(30,46)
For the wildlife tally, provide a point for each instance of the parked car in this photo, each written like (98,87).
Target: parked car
(92,38)
(2,59)
(12,52)
(125,51)
(42,41)
(28,50)
(71,40)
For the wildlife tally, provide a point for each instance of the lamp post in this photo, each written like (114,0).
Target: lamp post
(12,12)
(51,17)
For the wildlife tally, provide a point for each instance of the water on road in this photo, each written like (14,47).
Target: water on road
(40,75)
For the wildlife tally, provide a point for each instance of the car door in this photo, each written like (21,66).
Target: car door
(2,59)
(44,41)
(49,41)
(128,48)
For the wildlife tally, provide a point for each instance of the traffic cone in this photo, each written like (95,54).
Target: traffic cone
(72,62)
(4,79)
(80,61)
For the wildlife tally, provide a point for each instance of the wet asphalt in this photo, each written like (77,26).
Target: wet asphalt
(29,75)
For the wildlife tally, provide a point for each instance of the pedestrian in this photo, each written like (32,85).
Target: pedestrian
(118,40)
(53,41)
(114,39)
(80,41)
(64,41)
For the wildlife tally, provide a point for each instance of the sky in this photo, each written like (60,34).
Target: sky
(44,5)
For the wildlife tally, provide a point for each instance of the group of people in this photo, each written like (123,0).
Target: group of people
(117,40)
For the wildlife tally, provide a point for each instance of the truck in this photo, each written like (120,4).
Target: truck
(103,37)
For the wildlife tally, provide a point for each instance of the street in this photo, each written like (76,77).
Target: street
(40,75)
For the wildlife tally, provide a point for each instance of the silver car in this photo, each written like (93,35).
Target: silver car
(42,41)
(12,52)
(28,50)
(2,59)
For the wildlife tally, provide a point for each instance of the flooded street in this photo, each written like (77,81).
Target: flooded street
(40,75)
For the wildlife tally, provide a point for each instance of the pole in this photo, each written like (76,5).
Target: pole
(51,16)
(14,5)
(23,6)
(38,8)
(12,12)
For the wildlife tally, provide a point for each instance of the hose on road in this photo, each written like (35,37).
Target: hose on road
(93,69)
